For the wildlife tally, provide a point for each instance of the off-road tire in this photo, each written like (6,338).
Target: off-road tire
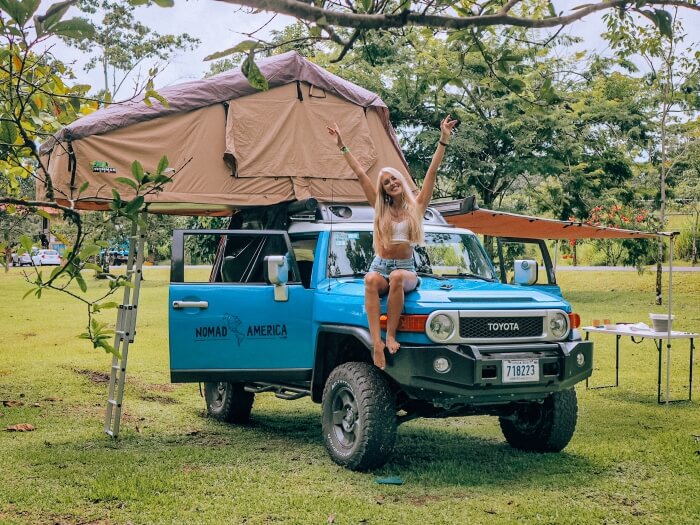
(228,402)
(358,416)
(543,427)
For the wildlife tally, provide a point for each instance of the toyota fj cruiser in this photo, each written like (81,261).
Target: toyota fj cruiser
(280,308)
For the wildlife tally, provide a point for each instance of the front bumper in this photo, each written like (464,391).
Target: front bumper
(476,374)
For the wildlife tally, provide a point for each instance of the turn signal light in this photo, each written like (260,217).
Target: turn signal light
(574,320)
(407,323)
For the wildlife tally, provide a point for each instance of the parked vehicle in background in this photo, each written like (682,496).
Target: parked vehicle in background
(46,258)
(115,255)
(23,259)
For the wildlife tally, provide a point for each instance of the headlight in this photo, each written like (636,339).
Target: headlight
(441,327)
(558,325)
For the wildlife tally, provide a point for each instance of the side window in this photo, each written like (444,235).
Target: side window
(230,257)
(304,248)
(510,249)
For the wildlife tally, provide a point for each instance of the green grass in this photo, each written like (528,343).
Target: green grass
(630,461)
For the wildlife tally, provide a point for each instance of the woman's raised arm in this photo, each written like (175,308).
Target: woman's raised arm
(367,186)
(426,192)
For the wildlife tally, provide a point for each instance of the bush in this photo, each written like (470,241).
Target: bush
(683,245)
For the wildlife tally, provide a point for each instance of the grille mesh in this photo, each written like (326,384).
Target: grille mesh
(478,327)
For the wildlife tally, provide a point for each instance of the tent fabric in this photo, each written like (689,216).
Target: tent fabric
(504,224)
(276,142)
(249,141)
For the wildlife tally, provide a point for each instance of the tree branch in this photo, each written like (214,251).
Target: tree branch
(306,11)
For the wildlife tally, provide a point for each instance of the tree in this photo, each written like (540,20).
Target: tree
(672,79)
(121,44)
(36,101)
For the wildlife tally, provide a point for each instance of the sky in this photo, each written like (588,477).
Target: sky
(220,25)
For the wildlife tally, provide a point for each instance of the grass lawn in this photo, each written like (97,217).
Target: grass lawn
(630,461)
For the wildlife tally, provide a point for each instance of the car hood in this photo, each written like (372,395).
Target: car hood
(463,293)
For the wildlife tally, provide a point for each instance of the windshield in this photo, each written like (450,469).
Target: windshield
(448,254)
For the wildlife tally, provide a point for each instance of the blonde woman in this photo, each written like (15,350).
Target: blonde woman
(398,227)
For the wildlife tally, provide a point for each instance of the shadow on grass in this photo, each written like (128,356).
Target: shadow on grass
(426,457)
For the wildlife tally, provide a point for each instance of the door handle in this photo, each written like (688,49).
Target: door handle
(190,304)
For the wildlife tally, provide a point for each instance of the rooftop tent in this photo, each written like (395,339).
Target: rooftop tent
(230,145)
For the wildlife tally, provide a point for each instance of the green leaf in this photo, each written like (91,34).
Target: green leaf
(164,3)
(55,272)
(664,21)
(92,266)
(134,205)
(44,214)
(81,282)
(252,73)
(8,132)
(514,84)
(89,251)
(116,197)
(83,187)
(20,11)
(77,28)
(111,304)
(241,47)
(154,94)
(28,292)
(137,170)
(26,243)
(128,182)
(162,164)
(45,23)
(552,11)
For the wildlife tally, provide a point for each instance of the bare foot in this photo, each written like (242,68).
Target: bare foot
(379,358)
(393,345)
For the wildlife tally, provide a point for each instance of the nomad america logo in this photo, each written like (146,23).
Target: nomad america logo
(101,166)
(232,326)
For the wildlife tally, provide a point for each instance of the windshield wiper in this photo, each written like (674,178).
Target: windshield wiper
(433,275)
(473,276)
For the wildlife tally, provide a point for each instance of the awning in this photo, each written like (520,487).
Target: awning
(466,214)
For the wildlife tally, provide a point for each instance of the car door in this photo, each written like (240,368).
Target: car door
(226,322)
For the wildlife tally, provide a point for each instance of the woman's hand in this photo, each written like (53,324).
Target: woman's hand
(335,132)
(446,128)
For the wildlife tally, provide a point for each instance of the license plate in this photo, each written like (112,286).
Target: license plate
(520,370)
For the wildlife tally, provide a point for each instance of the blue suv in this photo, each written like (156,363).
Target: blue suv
(276,304)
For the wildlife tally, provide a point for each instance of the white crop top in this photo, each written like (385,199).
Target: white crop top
(400,232)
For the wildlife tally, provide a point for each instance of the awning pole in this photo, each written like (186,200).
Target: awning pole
(670,319)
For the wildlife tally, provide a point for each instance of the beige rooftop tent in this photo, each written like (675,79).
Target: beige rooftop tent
(230,146)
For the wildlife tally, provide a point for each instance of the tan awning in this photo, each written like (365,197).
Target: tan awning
(465,214)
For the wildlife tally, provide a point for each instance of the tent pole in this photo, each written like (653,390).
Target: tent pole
(670,320)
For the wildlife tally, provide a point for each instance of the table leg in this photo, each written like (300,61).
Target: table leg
(659,345)
(617,366)
(617,359)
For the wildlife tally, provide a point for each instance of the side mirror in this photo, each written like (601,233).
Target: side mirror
(525,272)
(276,272)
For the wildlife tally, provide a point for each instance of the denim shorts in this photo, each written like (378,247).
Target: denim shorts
(385,266)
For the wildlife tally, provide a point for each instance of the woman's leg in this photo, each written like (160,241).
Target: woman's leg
(375,286)
(400,282)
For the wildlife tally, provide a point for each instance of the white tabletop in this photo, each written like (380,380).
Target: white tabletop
(627,329)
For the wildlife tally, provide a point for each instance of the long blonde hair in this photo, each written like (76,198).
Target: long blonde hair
(383,228)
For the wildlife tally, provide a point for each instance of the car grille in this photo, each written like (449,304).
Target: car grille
(499,327)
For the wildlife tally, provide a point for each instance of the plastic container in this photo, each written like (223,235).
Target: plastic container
(659,322)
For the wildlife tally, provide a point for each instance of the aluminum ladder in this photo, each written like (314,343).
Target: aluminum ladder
(125,330)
